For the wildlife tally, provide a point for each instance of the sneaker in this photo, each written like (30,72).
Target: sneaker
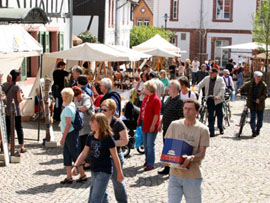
(257,132)
(254,134)
(212,135)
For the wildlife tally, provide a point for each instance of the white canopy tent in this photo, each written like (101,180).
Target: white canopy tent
(161,53)
(83,52)
(131,51)
(15,44)
(156,42)
(246,46)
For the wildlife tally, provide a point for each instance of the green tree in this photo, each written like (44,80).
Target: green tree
(261,27)
(140,34)
(87,37)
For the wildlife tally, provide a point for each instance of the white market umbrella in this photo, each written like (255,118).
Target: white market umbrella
(92,52)
(162,53)
(131,51)
(156,42)
(246,46)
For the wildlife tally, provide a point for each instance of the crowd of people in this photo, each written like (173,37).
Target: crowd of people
(167,104)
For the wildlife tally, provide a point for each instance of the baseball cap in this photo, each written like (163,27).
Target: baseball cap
(258,74)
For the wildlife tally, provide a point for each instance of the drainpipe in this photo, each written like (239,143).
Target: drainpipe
(71,22)
(200,32)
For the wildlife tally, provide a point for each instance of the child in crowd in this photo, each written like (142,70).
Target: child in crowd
(101,146)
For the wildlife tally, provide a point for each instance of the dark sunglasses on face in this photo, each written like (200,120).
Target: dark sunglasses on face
(105,110)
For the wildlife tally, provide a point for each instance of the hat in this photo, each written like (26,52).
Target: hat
(214,70)
(258,74)
(226,71)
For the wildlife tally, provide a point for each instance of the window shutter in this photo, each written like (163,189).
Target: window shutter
(61,41)
(47,42)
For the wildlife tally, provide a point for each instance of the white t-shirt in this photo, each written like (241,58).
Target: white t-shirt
(184,97)
(141,88)
(195,66)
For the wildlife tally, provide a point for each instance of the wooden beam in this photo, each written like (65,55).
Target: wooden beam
(90,23)
(24,3)
(61,7)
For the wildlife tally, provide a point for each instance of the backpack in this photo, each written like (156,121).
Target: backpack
(78,121)
(189,94)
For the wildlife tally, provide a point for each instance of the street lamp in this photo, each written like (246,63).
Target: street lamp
(166,18)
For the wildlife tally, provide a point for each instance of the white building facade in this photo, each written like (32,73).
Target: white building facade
(203,26)
(116,20)
(53,36)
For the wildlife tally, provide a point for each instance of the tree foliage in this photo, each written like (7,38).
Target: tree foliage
(261,26)
(140,34)
(87,37)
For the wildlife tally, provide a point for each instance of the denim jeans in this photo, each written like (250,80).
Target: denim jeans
(71,151)
(211,118)
(120,190)
(189,187)
(149,147)
(253,114)
(99,183)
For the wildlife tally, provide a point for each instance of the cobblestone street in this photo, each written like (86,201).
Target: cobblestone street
(234,170)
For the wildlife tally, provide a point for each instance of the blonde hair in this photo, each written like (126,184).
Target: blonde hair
(104,129)
(110,103)
(163,71)
(67,93)
(151,86)
(188,61)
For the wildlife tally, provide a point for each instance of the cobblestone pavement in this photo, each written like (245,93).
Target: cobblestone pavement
(234,170)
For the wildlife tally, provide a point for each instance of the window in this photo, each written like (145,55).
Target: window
(183,36)
(174,10)
(223,10)
(222,55)
(146,22)
(174,40)
(143,21)
(139,21)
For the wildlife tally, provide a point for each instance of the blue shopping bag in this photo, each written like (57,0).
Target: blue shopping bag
(139,137)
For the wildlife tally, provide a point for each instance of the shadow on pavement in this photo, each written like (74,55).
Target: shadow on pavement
(34,125)
(49,188)
(236,138)
(51,162)
(51,151)
(50,172)
(132,171)
(150,181)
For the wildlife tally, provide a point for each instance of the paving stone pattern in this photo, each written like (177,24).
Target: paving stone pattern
(234,170)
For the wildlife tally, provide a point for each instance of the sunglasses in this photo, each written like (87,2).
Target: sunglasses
(104,110)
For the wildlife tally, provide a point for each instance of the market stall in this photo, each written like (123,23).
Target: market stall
(160,49)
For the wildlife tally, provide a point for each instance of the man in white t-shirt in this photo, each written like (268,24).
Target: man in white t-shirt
(185,92)
(195,68)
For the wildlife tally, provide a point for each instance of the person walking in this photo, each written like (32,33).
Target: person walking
(256,91)
(195,65)
(59,75)
(69,138)
(14,92)
(172,110)
(201,74)
(101,147)
(149,119)
(84,104)
(214,89)
(120,135)
(160,91)
(240,79)
(181,181)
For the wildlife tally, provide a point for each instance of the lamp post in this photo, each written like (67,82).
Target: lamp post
(166,19)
